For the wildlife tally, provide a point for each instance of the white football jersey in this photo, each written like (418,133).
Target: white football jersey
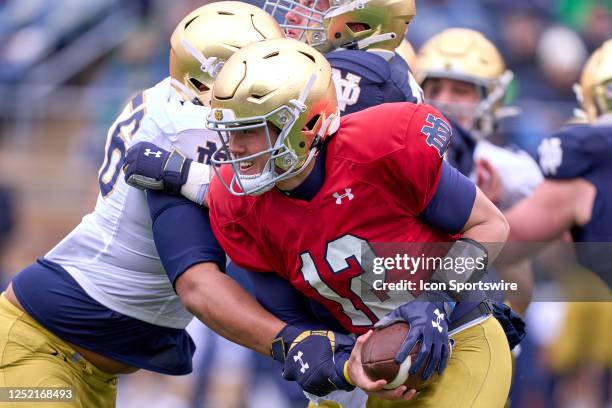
(111,253)
(518,172)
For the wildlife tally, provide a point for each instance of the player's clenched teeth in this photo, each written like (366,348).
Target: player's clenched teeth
(245,165)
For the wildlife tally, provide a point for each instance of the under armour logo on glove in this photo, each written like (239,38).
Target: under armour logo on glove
(147,166)
(433,336)
(304,366)
(316,359)
(148,153)
(439,319)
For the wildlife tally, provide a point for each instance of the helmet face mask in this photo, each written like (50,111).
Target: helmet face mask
(302,20)
(207,37)
(275,152)
(355,24)
(283,85)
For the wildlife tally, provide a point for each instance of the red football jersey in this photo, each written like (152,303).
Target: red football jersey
(382,168)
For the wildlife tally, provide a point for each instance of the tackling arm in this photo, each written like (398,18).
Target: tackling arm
(193,261)
(211,296)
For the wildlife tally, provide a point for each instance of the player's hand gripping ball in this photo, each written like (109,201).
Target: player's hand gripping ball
(378,358)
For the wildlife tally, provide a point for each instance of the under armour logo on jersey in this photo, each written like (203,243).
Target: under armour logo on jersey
(347,194)
(347,89)
(304,366)
(438,133)
(148,153)
(551,155)
(439,318)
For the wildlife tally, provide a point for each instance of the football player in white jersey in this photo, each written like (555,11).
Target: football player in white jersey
(101,302)
(464,75)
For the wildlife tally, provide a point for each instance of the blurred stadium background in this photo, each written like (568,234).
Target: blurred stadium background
(67,67)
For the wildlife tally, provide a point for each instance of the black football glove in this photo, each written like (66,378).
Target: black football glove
(147,166)
(315,359)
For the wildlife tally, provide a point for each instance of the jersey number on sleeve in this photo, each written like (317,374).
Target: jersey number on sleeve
(373,305)
(116,145)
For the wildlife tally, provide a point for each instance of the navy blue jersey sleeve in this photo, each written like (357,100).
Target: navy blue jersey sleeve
(182,234)
(575,151)
(451,205)
(281,299)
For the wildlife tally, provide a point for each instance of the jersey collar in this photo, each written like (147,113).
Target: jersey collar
(313,183)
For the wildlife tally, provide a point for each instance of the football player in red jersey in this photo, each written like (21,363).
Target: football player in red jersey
(325,189)
(314,191)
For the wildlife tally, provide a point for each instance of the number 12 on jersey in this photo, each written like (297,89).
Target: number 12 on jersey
(366,306)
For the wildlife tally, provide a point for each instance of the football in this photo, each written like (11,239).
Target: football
(377,358)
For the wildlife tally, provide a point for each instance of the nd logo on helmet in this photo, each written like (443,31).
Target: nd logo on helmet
(218,115)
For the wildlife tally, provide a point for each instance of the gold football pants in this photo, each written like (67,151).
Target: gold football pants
(33,357)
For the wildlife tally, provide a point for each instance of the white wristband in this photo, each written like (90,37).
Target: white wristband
(196,187)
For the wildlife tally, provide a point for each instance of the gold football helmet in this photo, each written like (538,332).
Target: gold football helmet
(595,90)
(207,37)
(355,24)
(282,83)
(466,55)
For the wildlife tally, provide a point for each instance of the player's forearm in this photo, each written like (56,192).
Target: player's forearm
(224,306)
(487,225)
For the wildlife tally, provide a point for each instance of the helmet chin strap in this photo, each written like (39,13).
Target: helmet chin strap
(366,42)
(299,106)
(208,65)
(299,103)
(255,185)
